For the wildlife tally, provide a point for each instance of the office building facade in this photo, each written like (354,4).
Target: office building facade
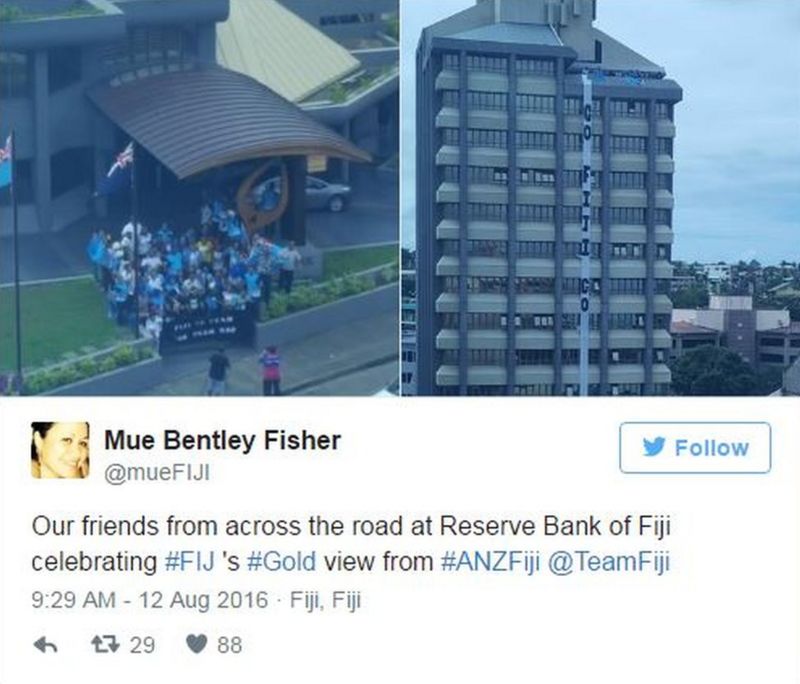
(532,207)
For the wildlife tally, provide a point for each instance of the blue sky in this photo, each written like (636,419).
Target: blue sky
(737,153)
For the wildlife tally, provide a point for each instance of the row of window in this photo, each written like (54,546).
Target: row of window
(617,321)
(546,357)
(545,213)
(536,285)
(546,249)
(617,390)
(524,65)
(498,175)
(546,104)
(538,140)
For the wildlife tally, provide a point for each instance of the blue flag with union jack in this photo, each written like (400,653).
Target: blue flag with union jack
(119,175)
(5,163)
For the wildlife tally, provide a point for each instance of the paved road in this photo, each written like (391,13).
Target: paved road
(355,359)
(371,218)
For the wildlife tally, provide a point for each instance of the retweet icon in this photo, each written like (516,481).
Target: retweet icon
(655,447)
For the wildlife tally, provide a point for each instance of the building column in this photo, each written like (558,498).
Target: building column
(558,252)
(463,224)
(41,160)
(650,257)
(426,282)
(511,218)
(293,222)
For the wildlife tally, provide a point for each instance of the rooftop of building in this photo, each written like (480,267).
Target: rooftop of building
(686,328)
(792,329)
(269,43)
(568,24)
(509,32)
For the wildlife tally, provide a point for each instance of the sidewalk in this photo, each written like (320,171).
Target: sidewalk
(317,360)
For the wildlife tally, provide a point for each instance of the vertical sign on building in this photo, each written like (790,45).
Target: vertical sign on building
(586,235)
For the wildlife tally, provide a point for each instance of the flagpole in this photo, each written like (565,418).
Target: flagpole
(135,219)
(17,308)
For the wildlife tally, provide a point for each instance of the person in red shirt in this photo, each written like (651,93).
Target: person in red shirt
(270,362)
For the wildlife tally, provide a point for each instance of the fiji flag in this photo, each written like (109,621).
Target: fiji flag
(119,175)
(5,164)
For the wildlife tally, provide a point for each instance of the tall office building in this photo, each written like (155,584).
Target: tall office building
(544,205)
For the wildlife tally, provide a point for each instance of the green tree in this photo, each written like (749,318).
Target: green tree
(713,371)
(693,297)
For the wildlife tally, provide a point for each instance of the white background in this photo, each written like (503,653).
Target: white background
(728,613)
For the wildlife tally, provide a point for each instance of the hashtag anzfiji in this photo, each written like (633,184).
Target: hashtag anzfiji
(176,472)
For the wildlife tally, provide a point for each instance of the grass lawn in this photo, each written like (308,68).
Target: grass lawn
(58,319)
(343,261)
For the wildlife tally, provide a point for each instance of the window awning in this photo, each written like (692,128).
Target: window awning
(205,117)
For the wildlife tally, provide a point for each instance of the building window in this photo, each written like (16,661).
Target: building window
(663,216)
(475,210)
(542,104)
(630,144)
(573,321)
(628,180)
(664,146)
(573,285)
(533,390)
(486,390)
(535,285)
(664,110)
(664,251)
(63,67)
(535,249)
(500,175)
(572,214)
(486,137)
(450,60)
(629,215)
(628,250)
(572,357)
(15,74)
(664,181)
(451,174)
(149,49)
(483,248)
(451,136)
(477,99)
(573,142)
(70,169)
(632,109)
(574,179)
(485,63)
(485,321)
(408,356)
(451,98)
(537,321)
(534,357)
(538,213)
(487,357)
(574,106)
(573,250)
(535,67)
(535,140)
(541,177)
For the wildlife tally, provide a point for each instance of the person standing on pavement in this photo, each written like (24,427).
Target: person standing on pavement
(290,258)
(218,366)
(270,362)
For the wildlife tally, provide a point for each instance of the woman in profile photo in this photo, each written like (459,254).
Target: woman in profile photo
(60,450)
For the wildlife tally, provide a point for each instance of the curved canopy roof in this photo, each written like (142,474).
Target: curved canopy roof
(206,116)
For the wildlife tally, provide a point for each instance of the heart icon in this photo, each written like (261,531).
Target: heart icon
(196,642)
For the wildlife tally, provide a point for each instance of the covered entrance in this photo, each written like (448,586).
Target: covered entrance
(211,127)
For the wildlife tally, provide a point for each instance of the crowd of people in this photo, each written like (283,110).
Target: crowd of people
(159,276)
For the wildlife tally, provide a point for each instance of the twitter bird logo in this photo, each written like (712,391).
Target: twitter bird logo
(655,447)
